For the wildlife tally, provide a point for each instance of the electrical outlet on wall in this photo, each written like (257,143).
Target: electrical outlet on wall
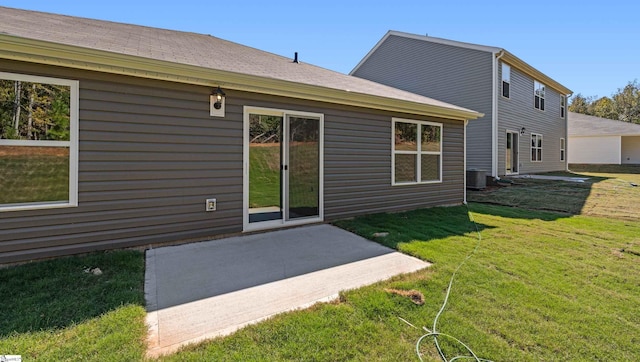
(211,204)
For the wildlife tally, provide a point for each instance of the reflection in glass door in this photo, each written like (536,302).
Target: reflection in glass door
(265,155)
(512,153)
(303,180)
(284,168)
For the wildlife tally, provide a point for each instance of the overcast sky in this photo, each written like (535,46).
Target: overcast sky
(590,47)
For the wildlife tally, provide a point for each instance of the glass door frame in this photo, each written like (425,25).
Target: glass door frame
(285,114)
(515,153)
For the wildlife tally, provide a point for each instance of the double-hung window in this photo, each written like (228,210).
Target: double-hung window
(416,152)
(563,148)
(538,95)
(563,106)
(38,142)
(536,147)
(506,80)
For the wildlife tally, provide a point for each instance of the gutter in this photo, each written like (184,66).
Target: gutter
(566,131)
(464,152)
(494,116)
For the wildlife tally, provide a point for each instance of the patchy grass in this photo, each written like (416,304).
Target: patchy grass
(53,310)
(609,195)
(541,286)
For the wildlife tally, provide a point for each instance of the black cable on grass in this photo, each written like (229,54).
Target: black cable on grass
(433,332)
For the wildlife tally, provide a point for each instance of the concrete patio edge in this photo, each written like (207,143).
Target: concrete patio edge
(174,326)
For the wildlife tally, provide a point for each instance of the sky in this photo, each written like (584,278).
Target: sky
(591,47)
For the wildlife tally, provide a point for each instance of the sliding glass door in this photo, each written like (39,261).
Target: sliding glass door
(283,168)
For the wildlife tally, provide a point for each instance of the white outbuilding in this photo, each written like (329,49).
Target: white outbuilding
(595,140)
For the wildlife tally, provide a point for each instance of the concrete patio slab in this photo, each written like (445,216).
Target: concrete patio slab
(204,290)
(552,178)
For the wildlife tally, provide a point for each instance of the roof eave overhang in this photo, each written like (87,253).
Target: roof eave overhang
(37,51)
(534,73)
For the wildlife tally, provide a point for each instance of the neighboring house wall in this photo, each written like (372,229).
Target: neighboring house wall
(451,74)
(462,74)
(595,150)
(631,150)
(518,111)
(150,155)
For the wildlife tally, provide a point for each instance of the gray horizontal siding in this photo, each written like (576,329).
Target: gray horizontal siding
(518,111)
(150,155)
(452,74)
(358,171)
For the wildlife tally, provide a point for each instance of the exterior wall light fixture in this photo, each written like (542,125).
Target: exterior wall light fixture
(216,101)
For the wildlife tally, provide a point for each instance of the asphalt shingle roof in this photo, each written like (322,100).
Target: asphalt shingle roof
(194,49)
(584,125)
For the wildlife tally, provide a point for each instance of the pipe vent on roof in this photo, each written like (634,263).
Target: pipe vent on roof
(295,58)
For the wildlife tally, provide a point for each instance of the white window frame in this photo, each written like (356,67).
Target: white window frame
(539,92)
(535,147)
(563,106)
(506,69)
(563,149)
(418,152)
(72,144)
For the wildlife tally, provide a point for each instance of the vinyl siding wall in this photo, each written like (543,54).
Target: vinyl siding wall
(150,155)
(518,111)
(451,74)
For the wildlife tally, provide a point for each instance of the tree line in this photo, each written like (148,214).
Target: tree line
(34,111)
(624,105)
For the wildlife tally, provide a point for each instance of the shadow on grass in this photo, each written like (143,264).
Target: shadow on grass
(564,198)
(605,168)
(58,293)
(423,224)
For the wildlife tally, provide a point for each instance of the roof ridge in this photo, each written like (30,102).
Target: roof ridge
(446,41)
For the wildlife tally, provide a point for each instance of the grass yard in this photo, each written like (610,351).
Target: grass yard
(55,311)
(542,286)
(605,194)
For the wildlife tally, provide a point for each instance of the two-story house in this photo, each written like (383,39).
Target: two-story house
(524,128)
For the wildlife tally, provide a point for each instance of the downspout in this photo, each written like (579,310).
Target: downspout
(464,147)
(566,131)
(494,117)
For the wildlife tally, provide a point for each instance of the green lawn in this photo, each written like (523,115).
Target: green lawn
(55,311)
(541,286)
(608,192)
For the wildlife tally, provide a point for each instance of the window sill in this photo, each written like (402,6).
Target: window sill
(416,183)
(37,206)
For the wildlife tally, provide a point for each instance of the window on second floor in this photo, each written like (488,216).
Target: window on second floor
(506,80)
(538,95)
(536,147)
(563,106)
